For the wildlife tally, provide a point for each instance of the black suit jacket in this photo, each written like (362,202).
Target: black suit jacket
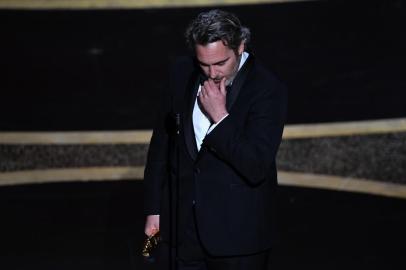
(233,178)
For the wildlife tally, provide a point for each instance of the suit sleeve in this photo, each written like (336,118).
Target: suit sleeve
(156,169)
(156,172)
(251,150)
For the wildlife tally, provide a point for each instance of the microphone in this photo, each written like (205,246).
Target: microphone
(177,123)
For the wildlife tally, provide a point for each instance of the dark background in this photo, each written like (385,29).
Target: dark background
(100,226)
(104,69)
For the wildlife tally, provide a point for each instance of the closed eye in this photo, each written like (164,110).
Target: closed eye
(219,63)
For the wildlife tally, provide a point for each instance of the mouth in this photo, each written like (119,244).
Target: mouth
(217,81)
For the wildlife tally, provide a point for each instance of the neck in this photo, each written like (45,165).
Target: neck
(230,81)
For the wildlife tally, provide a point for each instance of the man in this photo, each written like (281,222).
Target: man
(218,164)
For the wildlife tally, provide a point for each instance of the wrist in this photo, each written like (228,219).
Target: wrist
(220,116)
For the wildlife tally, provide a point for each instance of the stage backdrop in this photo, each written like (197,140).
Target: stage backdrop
(84,69)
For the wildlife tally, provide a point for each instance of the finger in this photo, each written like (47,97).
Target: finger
(207,85)
(213,85)
(201,98)
(207,89)
(202,92)
(223,86)
(151,230)
(148,227)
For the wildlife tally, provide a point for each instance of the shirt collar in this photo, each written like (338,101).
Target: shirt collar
(244,58)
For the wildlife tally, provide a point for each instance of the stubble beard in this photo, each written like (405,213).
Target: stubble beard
(232,77)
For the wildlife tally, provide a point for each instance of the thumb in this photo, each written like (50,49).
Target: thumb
(223,86)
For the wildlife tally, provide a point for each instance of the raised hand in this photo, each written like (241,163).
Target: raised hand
(213,99)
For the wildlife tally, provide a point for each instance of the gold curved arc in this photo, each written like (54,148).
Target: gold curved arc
(297,179)
(345,128)
(77,137)
(144,136)
(122,4)
(340,183)
(71,175)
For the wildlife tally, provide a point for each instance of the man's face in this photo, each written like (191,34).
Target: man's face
(218,60)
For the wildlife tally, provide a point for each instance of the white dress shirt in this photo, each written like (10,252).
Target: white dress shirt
(201,123)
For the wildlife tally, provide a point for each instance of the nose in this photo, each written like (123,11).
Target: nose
(212,72)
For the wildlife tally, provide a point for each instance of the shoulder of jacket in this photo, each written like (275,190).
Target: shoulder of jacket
(262,75)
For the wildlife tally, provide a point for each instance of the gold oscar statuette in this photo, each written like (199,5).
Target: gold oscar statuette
(150,244)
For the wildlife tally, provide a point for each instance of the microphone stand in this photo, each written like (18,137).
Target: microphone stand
(174,198)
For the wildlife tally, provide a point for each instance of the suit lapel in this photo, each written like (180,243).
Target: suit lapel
(239,81)
(190,98)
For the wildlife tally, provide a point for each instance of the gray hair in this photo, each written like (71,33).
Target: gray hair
(215,25)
